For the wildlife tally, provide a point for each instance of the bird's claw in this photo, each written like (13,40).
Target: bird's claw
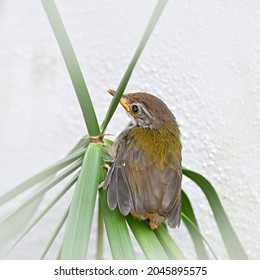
(101,185)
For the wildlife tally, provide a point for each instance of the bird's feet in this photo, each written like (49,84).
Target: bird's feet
(101,185)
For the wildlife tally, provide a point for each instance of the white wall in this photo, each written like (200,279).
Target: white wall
(203,60)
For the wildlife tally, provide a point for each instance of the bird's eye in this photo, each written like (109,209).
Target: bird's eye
(135,108)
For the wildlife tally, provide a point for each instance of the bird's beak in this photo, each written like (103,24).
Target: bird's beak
(122,100)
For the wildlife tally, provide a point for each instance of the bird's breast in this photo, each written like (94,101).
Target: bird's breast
(160,147)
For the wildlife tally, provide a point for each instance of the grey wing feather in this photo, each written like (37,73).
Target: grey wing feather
(112,190)
(123,196)
(174,218)
(118,190)
(172,198)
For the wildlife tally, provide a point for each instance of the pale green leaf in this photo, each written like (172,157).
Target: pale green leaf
(44,211)
(49,171)
(120,90)
(77,233)
(72,66)
(147,239)
(11,218)
(117,231)
(231,241)
(196,237)
(184,217)
(171,248)
(55,233)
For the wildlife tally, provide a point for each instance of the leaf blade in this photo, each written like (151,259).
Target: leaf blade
(6,221)
(230,239)
(171,248)
(77,233)
(196,237)
(55,233)
(117,232)
(72,66)
(44,212)
(147,239)
(119,92)
(49,171)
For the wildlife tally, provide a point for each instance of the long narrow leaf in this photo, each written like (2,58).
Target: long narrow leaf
(100,234)
(231,241)
(184,217)
(170,247)
(82,143)
(77,233)
(39,193)
(55,233)
(147,239)
(18,221)
(72,66)
(117,231)
(41,176)
(196,237)
(119,92)
(44,211)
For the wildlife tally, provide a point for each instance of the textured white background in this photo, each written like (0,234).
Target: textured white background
(203,60)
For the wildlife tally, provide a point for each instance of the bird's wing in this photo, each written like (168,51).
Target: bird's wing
(135,184)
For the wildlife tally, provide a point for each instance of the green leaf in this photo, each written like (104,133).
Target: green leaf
(49,171)
(55,233)
(11,218)
(20,219)
(44,211)
(82,143)
(72,66)
(100,234)
(117,231)
(196,237)
(170,247)
(77,233)
(184,217)
(16,223)
(147,239)
(120,90)
(231,241)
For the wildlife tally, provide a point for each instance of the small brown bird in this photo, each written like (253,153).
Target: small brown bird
(145,177)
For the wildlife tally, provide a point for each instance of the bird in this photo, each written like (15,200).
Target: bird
(146,172)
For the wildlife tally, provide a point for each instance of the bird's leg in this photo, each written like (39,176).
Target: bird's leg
(154,220)
(101,185)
